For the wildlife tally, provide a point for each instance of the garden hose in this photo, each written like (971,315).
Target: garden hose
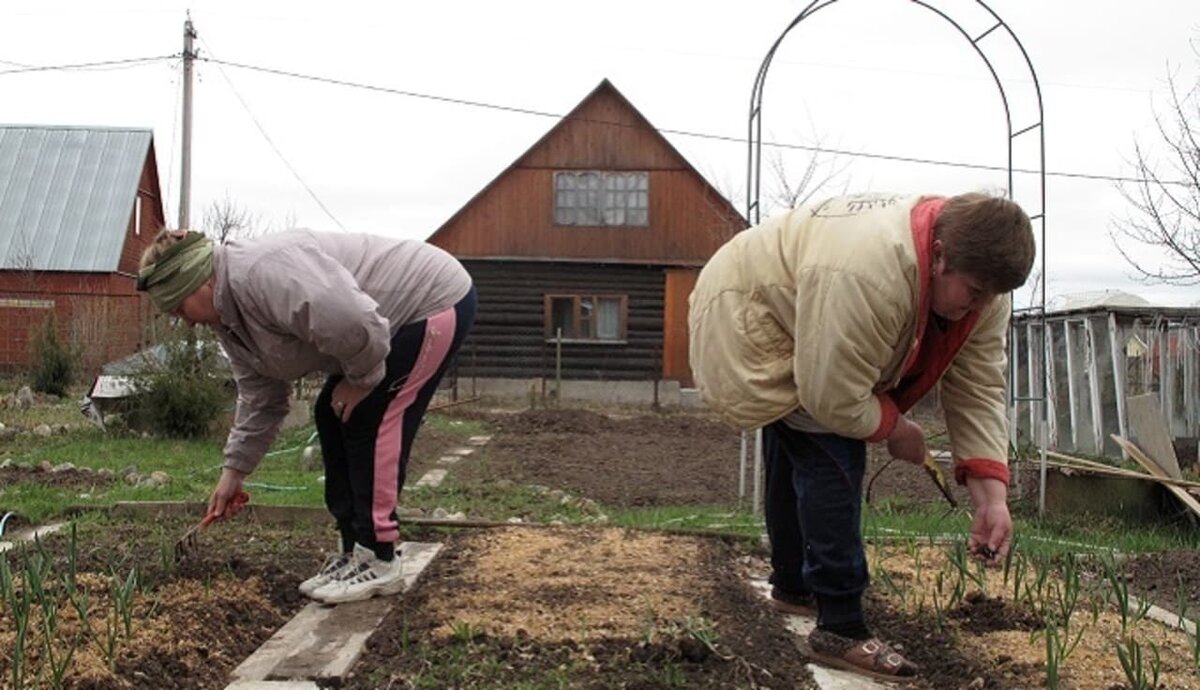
(4,521)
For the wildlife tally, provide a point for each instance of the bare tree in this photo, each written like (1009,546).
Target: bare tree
(1165,199)
(792,187)
(226,220)
(787,186)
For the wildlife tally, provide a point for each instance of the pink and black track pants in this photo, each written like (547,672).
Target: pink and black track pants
(365,458)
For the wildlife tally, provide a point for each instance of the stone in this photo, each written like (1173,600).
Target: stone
(133,479)
(129,469)
(440,513)
(45,466)
(504,484)
(156,479)
(42,430)
(65,467)
(24,398)
(310,459)
(6,463)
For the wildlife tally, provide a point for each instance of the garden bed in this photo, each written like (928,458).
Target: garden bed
(583,606)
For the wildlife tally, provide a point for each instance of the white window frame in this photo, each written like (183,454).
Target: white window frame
(595,198)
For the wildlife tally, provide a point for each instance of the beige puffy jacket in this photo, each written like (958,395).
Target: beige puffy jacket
(820,310)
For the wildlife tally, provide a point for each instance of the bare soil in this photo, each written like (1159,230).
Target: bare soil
(585,607)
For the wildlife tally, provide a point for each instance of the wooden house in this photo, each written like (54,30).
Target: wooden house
(585,249)
(77,206)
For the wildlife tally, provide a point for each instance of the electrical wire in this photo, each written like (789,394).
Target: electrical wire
(127,62)
(897,158)
(685,133)
(269,140)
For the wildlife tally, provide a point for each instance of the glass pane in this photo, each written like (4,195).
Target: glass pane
(586,319)
(562,313)
(642,180)
(614,216)
(608,319)
(636,217)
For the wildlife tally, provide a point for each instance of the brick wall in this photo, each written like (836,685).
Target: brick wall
(100,315)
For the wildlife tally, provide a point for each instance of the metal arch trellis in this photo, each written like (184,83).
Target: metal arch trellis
(1037,399)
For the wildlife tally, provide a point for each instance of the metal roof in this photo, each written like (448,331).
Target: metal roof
(67,195)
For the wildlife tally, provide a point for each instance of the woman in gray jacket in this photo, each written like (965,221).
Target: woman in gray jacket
(383,317)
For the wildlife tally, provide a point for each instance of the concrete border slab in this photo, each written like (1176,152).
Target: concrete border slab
(324,641)
(449,460)
(28,535)
(273,685)
(431,478)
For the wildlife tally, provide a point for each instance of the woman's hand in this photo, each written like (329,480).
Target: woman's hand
(991,526)
(228,486)
(907,441)
(346,396)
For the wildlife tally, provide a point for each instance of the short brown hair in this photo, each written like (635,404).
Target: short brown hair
(988,238)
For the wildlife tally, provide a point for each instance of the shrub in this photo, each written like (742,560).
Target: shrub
(54,364)
(180,393)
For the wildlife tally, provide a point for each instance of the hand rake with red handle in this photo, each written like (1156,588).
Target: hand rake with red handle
(190,540)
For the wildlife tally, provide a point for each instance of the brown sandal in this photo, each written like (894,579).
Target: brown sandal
(872,658)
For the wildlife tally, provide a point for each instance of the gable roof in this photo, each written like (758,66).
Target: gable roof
(604,89)
(67,195)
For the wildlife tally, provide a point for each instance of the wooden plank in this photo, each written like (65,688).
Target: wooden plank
(1084,465)
(1136,453)
(324,641)
(1151,434)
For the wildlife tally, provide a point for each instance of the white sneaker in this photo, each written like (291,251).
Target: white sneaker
(333,565)
(365,576)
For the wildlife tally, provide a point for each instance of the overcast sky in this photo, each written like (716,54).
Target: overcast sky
(871,76)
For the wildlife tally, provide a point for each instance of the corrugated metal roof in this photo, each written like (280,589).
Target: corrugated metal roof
(67,194)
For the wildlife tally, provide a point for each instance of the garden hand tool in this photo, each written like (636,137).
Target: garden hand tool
(190,539)
(935,473)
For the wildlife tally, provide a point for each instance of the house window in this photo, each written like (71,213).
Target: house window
(601,198)
(586,317)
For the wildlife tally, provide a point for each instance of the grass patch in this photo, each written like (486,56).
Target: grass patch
(496,501)
(714,518)
(193,466)
(1048,536)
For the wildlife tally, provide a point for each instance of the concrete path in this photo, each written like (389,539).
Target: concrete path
(324,641)
(825,677)
(29,534)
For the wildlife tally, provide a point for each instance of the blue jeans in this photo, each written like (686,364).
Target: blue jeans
(814,514)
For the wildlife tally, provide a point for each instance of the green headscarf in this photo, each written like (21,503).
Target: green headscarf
(183,267)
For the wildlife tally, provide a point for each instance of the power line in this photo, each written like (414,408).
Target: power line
(128,62)
(686,133)
(271,142)
(541,113)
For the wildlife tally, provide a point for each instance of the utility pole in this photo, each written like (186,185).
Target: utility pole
(185,161)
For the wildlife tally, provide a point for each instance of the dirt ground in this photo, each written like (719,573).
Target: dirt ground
(585,607)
